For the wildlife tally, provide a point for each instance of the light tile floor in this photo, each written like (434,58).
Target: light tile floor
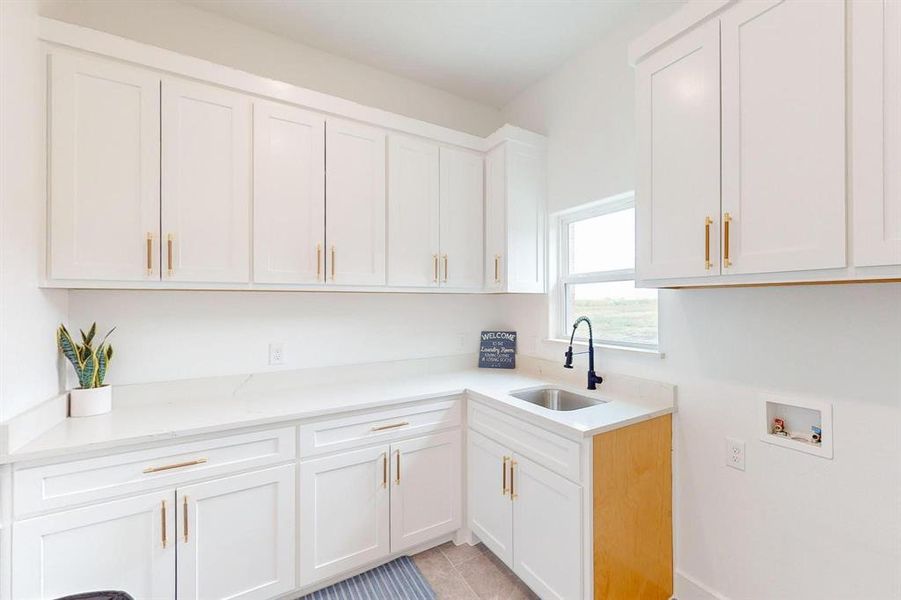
(470,573)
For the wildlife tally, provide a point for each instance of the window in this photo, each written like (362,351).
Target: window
(597,275)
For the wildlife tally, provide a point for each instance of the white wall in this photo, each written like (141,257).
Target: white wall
(183,28)
(28,315)
(175,335)
(792,525)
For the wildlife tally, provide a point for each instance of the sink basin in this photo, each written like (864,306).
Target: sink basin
(556,399)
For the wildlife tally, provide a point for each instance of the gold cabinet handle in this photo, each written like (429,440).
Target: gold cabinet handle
(318,261)
(727,221)
(512,486)
(189,463)
(384,469)
(333,263)
(184,516)
(397,478)
(497,270)
(445,268)
(163,534)
(435,270)
(149,253)
(392,426)
(169,265)
(707,223)
(504,489)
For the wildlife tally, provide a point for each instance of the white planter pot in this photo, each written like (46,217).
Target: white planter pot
(91,401)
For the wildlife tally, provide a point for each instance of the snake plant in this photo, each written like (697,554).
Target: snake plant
(90,362)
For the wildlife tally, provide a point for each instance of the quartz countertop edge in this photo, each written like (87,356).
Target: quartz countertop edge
(186,414)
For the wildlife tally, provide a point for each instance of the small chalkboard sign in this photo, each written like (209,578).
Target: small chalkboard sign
(497,350)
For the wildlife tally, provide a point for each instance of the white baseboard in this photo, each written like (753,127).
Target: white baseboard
(689,588)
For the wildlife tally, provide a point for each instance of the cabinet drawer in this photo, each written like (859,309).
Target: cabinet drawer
(48,487)
(341,433)
(548,449)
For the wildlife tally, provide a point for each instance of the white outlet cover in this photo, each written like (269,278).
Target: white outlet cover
(276,353)
(735,453)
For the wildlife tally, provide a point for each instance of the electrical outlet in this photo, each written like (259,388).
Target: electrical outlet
(735,454)
(276,353)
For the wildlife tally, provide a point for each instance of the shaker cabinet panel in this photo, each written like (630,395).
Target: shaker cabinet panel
(122,545)
(495,219)
(236,536)
(206,193)
(678,192)
(344,518)
(412,212)
(355,203)
(490,510)
(462,207)
(783,98)
(426,492)
(876,131)
(288,194)
(104,170)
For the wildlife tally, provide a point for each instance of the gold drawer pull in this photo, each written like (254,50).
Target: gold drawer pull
(185,518)
(392,426)
(170,268)
(190,463)
(397,481)
(504,489)
(727,220)
(384,469)
(512,487)
(445,268)
(435,263)
(318,261)
(333,263)
(165,539)
(707,223)
(497,274)
(150,254)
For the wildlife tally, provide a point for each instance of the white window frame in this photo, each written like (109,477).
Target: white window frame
(561,322)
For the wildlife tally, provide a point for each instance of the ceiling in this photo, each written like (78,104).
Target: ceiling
(484,50)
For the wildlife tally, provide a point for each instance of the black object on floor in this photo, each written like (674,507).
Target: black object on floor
(399,578)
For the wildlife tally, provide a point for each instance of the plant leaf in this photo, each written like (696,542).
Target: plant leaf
(102,362)
(91,332)
(88,374)
(69,349)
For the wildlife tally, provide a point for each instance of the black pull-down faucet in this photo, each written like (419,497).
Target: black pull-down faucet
(593,379)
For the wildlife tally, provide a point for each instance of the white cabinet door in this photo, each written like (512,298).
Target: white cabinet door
(236,536)
(123,545)
(547,536)
(426,492)
(206,183)
(876,130)
(678,192)
(412,212)
(525,209)
(462,207)
(783,98)
(343,512)
(495,219)
(104,170)
(355,203)
(288,194)
(490,511)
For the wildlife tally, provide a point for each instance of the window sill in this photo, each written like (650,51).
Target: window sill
(651,352)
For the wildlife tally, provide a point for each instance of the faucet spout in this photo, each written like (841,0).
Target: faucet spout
(593,379)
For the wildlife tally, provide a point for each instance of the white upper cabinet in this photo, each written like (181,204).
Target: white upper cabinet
(412,212)
(461,219)
(678,191)
(206,158)
(236,536)
(515,209)
(104,180)
(355,206)
(876,130)
(288,194)
(783,99)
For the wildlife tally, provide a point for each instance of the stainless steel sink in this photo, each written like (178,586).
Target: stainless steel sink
(556,399)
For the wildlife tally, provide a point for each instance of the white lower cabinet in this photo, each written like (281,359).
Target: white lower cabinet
(529,516)
(359,506)
(236,536)
(343,512)
(125,545)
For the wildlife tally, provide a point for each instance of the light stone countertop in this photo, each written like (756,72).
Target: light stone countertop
(174,410)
